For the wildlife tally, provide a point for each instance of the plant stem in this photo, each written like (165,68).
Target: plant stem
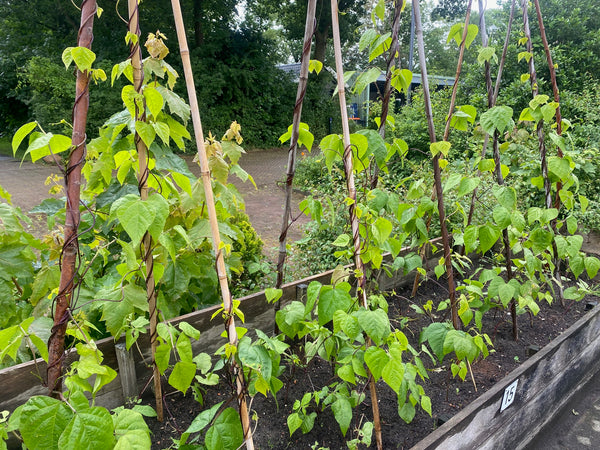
(70,251)
(212,215)
(348,166)
(146,245)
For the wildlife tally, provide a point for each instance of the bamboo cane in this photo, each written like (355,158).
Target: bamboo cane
(70,251)
(212,215)
(291,165)
(146,245)
(348,165)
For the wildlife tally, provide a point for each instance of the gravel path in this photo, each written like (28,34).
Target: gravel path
(264,204)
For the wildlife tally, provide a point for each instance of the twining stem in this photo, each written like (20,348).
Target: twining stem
(146,245)
(291,165)
(70,251)
(438,192)
(542,148)
(387,88)
(349,168)
(212,216)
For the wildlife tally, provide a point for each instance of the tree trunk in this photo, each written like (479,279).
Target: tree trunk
(70,253)
(198,28)
(321,37)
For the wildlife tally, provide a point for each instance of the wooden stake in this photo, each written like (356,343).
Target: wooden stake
(146,245)
(291,165)
(212,216)
(70,252)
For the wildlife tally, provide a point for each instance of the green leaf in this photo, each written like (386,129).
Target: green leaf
(21,134)
(89,429)
(83,57)
(376,146)
(463,116)
(401,80)
(497,118)
(501,216)
(393,372)
(488,235)
(486,165)
(470,238)
(146,131)
(226,433)
(435,335)
(365,79)
(136,216)
(341,241)
(442,147)
(375,323)
(592,264)
(559,167)
(366,39)
(486,54)
(154,101)
(381,228)
(467,185)
(314,65)
(462,344)
(330,300)
(376,359)
(42,421)
(342,411)
(407,412)
(203,419)
(160,207)
(182,376)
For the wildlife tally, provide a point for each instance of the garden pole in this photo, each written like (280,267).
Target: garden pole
(554,91)
(146,244)
(212,215)
(494,98)
(348,166)
(287,221)
(387,89)
(543,152)
(446,135)
(70,250)
(436,166)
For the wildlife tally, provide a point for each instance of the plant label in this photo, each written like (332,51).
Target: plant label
(509,395)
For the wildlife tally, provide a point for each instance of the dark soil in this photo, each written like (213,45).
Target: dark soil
(448,395)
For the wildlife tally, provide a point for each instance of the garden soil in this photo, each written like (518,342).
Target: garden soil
(448,395)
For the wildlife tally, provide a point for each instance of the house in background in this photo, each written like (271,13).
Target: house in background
(358,104)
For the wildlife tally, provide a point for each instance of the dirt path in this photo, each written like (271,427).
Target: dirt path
(264,204)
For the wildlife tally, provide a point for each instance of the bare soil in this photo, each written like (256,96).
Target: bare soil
(448,395)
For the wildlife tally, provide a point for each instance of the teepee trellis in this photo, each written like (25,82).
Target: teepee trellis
(228,310)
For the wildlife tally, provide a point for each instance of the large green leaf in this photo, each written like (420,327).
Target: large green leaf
(393,372)
(342,411)
(488,235)
(136,217)
(154,101)
(375,323)
(226,433)
(255,357)
(89,429)
(462,344)
(182,376)
(376,359)
(330,300)
(43,420)
(435,334)
(497,118)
